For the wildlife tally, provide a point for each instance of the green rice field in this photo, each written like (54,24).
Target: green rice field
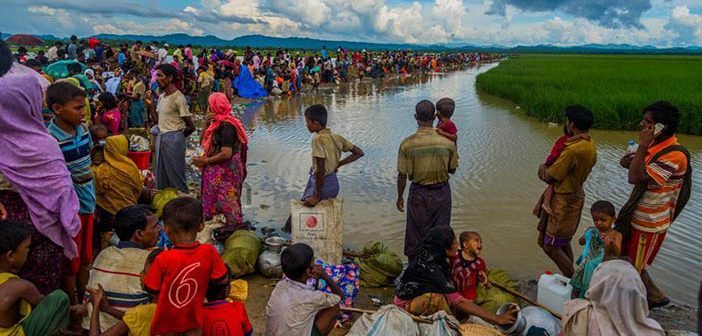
(615,87)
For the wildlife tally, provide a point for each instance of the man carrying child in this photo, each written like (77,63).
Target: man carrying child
(426,158)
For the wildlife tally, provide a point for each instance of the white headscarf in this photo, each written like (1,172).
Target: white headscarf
(615,304)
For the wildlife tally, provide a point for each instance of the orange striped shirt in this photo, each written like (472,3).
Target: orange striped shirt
(655,210)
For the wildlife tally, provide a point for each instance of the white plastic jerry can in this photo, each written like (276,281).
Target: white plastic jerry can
(553,291)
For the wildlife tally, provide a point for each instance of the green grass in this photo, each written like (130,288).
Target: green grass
(614,87)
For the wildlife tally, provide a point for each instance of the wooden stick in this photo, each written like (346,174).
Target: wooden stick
(366,311)
(524,297)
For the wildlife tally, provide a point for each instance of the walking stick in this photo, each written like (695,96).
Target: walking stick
(524,297)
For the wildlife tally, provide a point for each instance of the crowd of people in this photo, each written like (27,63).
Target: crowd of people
(67,185)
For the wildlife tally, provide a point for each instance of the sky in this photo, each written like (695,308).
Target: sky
(662,23)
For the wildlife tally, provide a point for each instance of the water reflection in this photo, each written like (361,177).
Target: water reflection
(494,188)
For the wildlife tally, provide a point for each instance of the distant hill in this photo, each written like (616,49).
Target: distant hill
(260,41)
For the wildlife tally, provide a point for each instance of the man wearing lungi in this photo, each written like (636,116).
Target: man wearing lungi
(427,159)
(174,125)
(662,179)
(567,175)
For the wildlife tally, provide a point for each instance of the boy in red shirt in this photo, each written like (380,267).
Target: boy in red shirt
(223,317)
(467,267)
(446,127)
(181,276)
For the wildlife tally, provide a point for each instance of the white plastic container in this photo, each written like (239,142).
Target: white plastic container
(554,290)
(633,146)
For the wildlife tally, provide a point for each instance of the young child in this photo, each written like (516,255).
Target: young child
(327,148)
(223,317)
(181,275)
(135,321)
(294,308)
(560,144)
(23,310)
(109,114)
(601,243)
(67,102)
(468,269)
(446,127)
(99,135)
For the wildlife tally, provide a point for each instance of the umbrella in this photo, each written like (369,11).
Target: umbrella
(25,40)
(60,69)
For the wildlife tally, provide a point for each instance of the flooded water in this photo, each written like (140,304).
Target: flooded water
(494,189)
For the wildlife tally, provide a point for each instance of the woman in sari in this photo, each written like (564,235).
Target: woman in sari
(615,304)
(118,184)
(223,162)
(38,189)
(426,288)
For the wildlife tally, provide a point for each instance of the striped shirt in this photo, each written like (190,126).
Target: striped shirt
(76,152)
(426,157)
(655,210)
(118,270)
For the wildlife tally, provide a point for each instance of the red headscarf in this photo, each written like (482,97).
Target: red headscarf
(219,105)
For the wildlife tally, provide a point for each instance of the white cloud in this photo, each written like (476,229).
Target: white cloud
(686,25)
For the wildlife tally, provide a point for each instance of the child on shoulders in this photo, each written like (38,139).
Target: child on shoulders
(445,126)
(182,274)
(468,269)
(294,308)
(23,310)
(601,243)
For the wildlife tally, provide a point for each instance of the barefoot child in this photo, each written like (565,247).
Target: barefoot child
(23,310)
(181,275)
(446,127)
(468,269)
(294,308)
(601,243)
(67,102)
(327,149)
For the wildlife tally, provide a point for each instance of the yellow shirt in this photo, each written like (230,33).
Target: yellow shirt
(329,146)
(24,310)
(138,319)
(426,157)
(204,79)
(573,166)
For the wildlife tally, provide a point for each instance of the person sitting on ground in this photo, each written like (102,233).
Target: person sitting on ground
(117,268)
(118,184)
(135,321)
(426,288)
(594,238)
(327,148)
(49,314)
(188,262)
(295,308)
(223,317)
(468,269)
(615,304)
(444,111)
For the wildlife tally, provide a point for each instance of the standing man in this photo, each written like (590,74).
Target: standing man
(163,53)
(427,159)
(174,125)
(72,48)
(567,175)
(662,179)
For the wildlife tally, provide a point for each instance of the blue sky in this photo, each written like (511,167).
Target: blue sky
(662,23)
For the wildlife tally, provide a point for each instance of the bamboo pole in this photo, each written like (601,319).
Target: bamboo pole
(524,297)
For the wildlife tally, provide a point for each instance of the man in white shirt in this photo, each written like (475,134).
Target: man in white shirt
(163,53)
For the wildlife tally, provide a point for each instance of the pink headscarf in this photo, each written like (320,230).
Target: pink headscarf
(222,110)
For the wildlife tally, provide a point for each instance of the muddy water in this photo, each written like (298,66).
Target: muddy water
(494,188)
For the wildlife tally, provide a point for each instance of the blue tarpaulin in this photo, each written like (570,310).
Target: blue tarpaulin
(247,86)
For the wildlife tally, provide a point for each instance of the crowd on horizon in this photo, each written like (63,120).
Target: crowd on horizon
(67,184)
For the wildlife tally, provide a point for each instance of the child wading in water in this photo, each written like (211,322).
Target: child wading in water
(468,269)
(601,243)
(560,144)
